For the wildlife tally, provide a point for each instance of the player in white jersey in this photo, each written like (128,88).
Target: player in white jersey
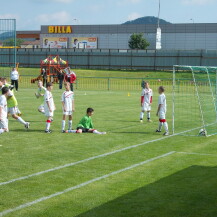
(49,106)
(4,110)
(146,101)
(161,111)
(39,94)
(68,106)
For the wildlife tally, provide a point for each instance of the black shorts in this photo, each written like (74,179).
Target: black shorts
(84,130)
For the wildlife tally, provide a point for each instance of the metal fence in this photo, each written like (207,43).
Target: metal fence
(104,83)
(8,39)
(114,59)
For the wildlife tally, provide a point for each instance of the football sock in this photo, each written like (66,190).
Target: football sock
(48,125)
(160,126)
(96,132)
(148,115)
(21,121)
(1,131)
(166,126)
(141,115)
(63,124)
(70,124)
(71,131)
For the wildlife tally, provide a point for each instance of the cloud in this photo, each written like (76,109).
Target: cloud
(9,16)
(61,17)
(134,16)
(197,2)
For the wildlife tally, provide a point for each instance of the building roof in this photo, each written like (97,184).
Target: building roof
(29,32)
(36,42)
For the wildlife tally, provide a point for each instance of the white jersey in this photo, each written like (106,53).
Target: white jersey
(67,98)
(48,97)
(163,102)
(3,105)
(147,93)
(14,75)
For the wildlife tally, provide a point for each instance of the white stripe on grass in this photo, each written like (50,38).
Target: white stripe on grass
(25,205)
(91,158)
(200,154)
(82,161)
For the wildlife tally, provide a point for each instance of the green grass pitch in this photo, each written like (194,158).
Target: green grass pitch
(180,184)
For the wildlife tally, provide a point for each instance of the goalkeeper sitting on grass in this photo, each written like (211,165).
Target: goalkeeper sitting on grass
(86,124)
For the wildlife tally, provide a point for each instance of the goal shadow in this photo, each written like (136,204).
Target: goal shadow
(187,193)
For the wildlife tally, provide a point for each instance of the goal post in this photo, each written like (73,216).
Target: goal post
(8,45)
(194,100)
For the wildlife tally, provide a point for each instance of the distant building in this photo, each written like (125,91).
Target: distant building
(29,35)
(30,44)
(174,36)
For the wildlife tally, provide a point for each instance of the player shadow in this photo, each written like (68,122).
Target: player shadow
(188,193)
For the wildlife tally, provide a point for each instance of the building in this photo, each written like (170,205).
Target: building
(30,44)
(174,36)
(29,35)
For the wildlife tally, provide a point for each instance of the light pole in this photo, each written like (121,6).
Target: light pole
(158,35)
(158,24)
(75,20)
(192,20)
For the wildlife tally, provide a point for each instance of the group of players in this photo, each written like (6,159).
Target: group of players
(146,101)
(68,107)
(9,106)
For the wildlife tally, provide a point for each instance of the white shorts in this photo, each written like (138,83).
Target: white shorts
(4,124)
(162,115)
(48,113)
(41,108)
(67,113)
(13,110)
(146,107)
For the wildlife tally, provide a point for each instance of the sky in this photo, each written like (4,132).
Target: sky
(31,14)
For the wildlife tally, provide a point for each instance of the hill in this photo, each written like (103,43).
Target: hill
(147,20)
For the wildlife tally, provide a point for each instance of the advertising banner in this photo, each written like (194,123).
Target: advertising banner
(55,42)
(158,39)
(84,42)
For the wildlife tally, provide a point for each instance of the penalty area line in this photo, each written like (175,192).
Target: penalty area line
(25,205)
(84,160)
(195,153)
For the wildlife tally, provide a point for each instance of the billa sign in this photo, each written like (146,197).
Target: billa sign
(59,29)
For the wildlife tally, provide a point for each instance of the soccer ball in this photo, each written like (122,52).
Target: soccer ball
(202,132)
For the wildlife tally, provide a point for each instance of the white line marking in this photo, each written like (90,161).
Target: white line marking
(82,161)
(194,153)
(83,184)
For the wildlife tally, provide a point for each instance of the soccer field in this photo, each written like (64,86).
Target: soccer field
(130,172)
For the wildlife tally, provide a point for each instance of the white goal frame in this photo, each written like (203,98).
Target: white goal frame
(214,94)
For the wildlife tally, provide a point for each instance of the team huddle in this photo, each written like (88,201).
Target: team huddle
(9,106)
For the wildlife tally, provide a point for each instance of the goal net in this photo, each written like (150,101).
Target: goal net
(7,45)
(195,100)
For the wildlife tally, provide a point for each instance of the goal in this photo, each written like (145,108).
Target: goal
(8,46)
(194,100)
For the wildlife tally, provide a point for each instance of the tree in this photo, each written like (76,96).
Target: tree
(10,42)
(137,41)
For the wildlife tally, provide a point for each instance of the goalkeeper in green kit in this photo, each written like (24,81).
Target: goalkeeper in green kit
(86,124)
